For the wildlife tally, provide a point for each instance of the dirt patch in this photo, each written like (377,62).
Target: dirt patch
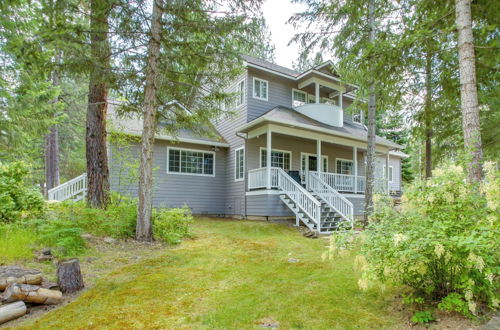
(102,258)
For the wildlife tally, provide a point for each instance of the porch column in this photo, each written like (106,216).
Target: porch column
(387,170)
(316,86)
(355,165)
(340,100)
(268,158)
(318,157)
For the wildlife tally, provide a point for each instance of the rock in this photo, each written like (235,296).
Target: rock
(269,323)
(109,240)
(492,324)
(44,257)
(46,251)
(14,274)
(86,236)
(293,260)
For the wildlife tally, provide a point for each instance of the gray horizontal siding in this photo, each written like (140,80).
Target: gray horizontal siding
(203,194)
(358,204)
(267,205)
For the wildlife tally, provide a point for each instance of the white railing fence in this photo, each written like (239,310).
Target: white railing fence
(334,199)
(75,188)
(300,196)
(257,178)
(345,183)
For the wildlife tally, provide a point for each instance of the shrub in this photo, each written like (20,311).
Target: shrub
(63,235)
(16,198)
(443,243)
(171,225)
(118,220)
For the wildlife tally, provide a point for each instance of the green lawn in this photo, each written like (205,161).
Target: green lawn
(232,275)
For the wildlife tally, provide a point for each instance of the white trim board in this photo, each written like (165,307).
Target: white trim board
(263,192)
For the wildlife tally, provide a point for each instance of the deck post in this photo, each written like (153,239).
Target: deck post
(268,158)
(340,100)
(316,90)
(319,161)
(355,169)
(387,170)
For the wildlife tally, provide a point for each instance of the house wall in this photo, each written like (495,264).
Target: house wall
(395,162)
(203,194)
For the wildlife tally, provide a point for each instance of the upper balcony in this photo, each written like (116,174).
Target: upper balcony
(321,100)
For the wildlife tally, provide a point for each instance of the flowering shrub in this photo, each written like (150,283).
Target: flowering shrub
(443,243)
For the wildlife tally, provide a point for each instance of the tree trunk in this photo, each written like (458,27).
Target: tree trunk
(69,277)
(12,311)
(32,294)
(468,91)
(144,208)
(96,152)
(427,115)
(52,143)
(370,149)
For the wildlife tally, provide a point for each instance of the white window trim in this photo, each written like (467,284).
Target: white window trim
(346,160)
(302,92)
(188,149)
(309,154)
(244,92)
(279,150)
(267,89)
(391,170)
(236,164)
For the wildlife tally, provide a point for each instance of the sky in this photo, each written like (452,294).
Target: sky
(277,13)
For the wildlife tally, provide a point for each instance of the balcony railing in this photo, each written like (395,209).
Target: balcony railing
(257,178)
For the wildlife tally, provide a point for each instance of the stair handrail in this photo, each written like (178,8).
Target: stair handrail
(300,196)
(68,189)
(332,197)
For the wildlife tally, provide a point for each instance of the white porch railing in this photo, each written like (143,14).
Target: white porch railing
(345,183)
(334,199)
(257,178)
(300,196)
(75,188)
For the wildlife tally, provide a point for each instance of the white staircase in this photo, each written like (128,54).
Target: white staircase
(321,209)
(74,189)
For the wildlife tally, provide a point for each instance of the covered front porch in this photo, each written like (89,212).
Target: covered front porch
(296,151)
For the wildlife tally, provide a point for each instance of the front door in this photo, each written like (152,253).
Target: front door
(310,163)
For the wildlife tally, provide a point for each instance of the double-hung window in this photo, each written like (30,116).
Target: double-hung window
(241,93)
(239,162)
(391,173)
(190,161)
(260,89)
(344,166)
(357,117)
(299,98)
(279,158)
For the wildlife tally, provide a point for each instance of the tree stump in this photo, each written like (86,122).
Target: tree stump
(12,311)
(9,275)
(32,293)
(69,277)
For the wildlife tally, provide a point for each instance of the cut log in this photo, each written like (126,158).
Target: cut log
(19,275)
(69,276)
(32,293)
(12,311)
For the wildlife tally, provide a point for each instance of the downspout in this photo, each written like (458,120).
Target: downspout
(246,172)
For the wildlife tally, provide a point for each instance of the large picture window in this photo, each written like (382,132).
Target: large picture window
(260,89)
(279,158)
(189,161)
(239,164)
(344,166)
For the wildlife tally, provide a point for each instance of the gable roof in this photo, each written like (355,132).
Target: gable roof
(283,115)
(270,66)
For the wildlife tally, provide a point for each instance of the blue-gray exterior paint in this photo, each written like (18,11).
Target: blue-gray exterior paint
(203,194)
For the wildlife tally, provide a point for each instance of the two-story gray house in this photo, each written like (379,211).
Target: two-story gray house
(289,150)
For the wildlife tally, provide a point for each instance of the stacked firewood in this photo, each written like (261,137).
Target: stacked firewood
(23,288)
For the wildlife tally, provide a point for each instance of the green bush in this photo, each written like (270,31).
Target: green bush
(63,235)
(118,220)
(171,225)
(443,243)
(17,200)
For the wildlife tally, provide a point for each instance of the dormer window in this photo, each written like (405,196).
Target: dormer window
(260,89)
(299,98)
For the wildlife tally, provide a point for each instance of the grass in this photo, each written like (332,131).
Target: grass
(16,243)
(232,275)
